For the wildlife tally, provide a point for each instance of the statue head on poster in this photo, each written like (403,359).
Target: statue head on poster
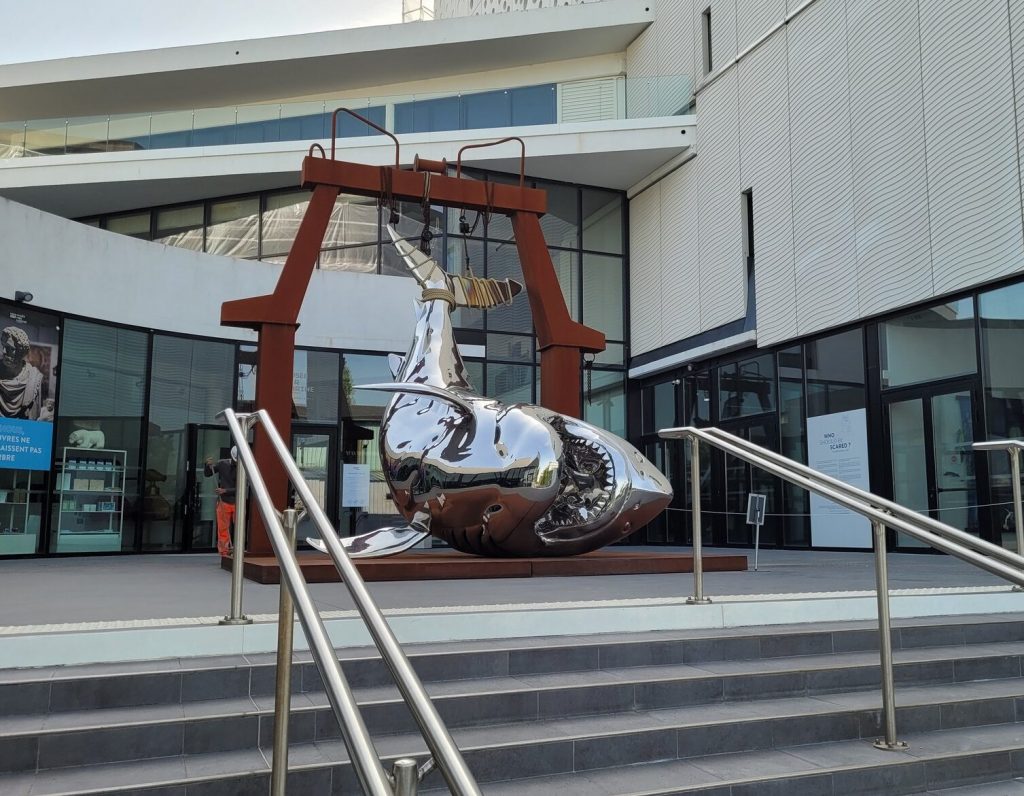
(21,383)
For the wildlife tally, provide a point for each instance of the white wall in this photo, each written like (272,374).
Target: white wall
(82,270)
(879,138)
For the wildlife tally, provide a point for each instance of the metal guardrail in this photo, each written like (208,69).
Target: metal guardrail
(881,512)
(406,774)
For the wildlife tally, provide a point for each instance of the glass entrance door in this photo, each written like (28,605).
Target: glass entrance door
(738,479)
(932,466)
(200,504)
(316,453)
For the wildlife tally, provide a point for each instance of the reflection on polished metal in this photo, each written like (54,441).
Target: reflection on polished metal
(236,617)
(375,544)
(890,742)
(1013,448)
(492,478)
(283,673)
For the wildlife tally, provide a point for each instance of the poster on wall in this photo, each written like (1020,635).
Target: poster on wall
(28,389)
(837,445)
(355,485)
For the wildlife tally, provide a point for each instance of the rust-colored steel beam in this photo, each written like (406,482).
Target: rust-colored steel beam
(275,317)
(560,339)
(408,186)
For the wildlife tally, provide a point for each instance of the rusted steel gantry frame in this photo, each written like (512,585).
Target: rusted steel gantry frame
(275,317)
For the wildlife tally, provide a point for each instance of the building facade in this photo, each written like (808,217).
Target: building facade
(801,222)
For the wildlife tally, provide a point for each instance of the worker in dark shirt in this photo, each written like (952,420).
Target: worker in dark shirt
(226,471)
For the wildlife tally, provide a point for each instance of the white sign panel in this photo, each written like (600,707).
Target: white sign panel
(355,485)
(837,445)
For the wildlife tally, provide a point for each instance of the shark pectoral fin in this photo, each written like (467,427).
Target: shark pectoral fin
(395,363)
(424,389)
(376,544)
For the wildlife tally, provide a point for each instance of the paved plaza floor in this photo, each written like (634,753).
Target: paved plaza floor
(97,589)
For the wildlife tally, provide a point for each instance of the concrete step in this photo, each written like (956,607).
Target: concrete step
(96,686)
(934,761)
(672,712)
(52,740)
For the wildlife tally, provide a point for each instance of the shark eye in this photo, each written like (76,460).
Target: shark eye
(493,509)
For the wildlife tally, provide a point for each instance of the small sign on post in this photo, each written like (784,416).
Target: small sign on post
(756,505)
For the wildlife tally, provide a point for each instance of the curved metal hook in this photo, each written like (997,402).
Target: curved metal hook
(377,127)
(522,156)
(316,146)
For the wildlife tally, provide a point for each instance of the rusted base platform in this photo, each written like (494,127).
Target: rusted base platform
(449,565)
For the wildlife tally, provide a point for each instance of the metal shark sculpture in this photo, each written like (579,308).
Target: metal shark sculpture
(489,478)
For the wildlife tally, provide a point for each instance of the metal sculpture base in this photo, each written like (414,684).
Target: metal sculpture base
(443,565)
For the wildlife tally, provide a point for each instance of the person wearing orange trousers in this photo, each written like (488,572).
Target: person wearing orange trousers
(226,471)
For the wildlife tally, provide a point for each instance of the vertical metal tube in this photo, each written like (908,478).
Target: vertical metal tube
(365,761)
(283,684)
(235,616)
(698,562)
(1018,516)
(890,741)
(406,775)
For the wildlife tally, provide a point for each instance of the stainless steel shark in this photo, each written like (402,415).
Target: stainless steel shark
(491,478)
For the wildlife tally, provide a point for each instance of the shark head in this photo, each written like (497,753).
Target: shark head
(608,489)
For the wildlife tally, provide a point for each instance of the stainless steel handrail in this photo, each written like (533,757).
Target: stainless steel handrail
(876,509)
(365,760)
(1013,447)
(929,523)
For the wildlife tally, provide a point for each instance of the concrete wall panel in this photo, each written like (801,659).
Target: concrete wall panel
(825,251)
(889,177)
(722,269)
(680,267)
(764,162)
(645,270)
(754,18)
(973,175)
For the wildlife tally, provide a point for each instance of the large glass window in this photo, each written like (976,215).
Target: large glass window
(747,387)
(29,353)
(602,221)
(315,386)
(603,306)
(100,494)
(929,344)
(191,381)
(835,373)
(281,218)
(135,225)
(233,229)
(1002,337)
(604,404)
(180,226)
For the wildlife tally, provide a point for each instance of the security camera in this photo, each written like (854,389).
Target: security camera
(23,296)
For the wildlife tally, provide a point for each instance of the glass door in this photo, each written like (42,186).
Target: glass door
(931,464)
(200,504)
(738,479)
(316,452)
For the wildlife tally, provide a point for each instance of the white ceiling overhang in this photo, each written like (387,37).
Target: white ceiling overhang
(312,64)
(611,154)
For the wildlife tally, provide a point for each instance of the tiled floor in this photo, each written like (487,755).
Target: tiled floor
(48,591)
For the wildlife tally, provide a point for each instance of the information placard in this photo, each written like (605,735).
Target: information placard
(355,485)
(837,445)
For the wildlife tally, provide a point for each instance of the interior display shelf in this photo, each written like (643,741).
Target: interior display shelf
(83,511)
(89,492)
(91,469)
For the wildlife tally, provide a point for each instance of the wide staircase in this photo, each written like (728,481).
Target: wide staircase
(786,710)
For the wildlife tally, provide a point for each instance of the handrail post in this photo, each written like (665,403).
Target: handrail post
(405,773)
(236,617)
(890,742)
(283,683)
(698,597)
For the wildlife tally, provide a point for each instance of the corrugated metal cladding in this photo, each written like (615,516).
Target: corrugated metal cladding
(880,140)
